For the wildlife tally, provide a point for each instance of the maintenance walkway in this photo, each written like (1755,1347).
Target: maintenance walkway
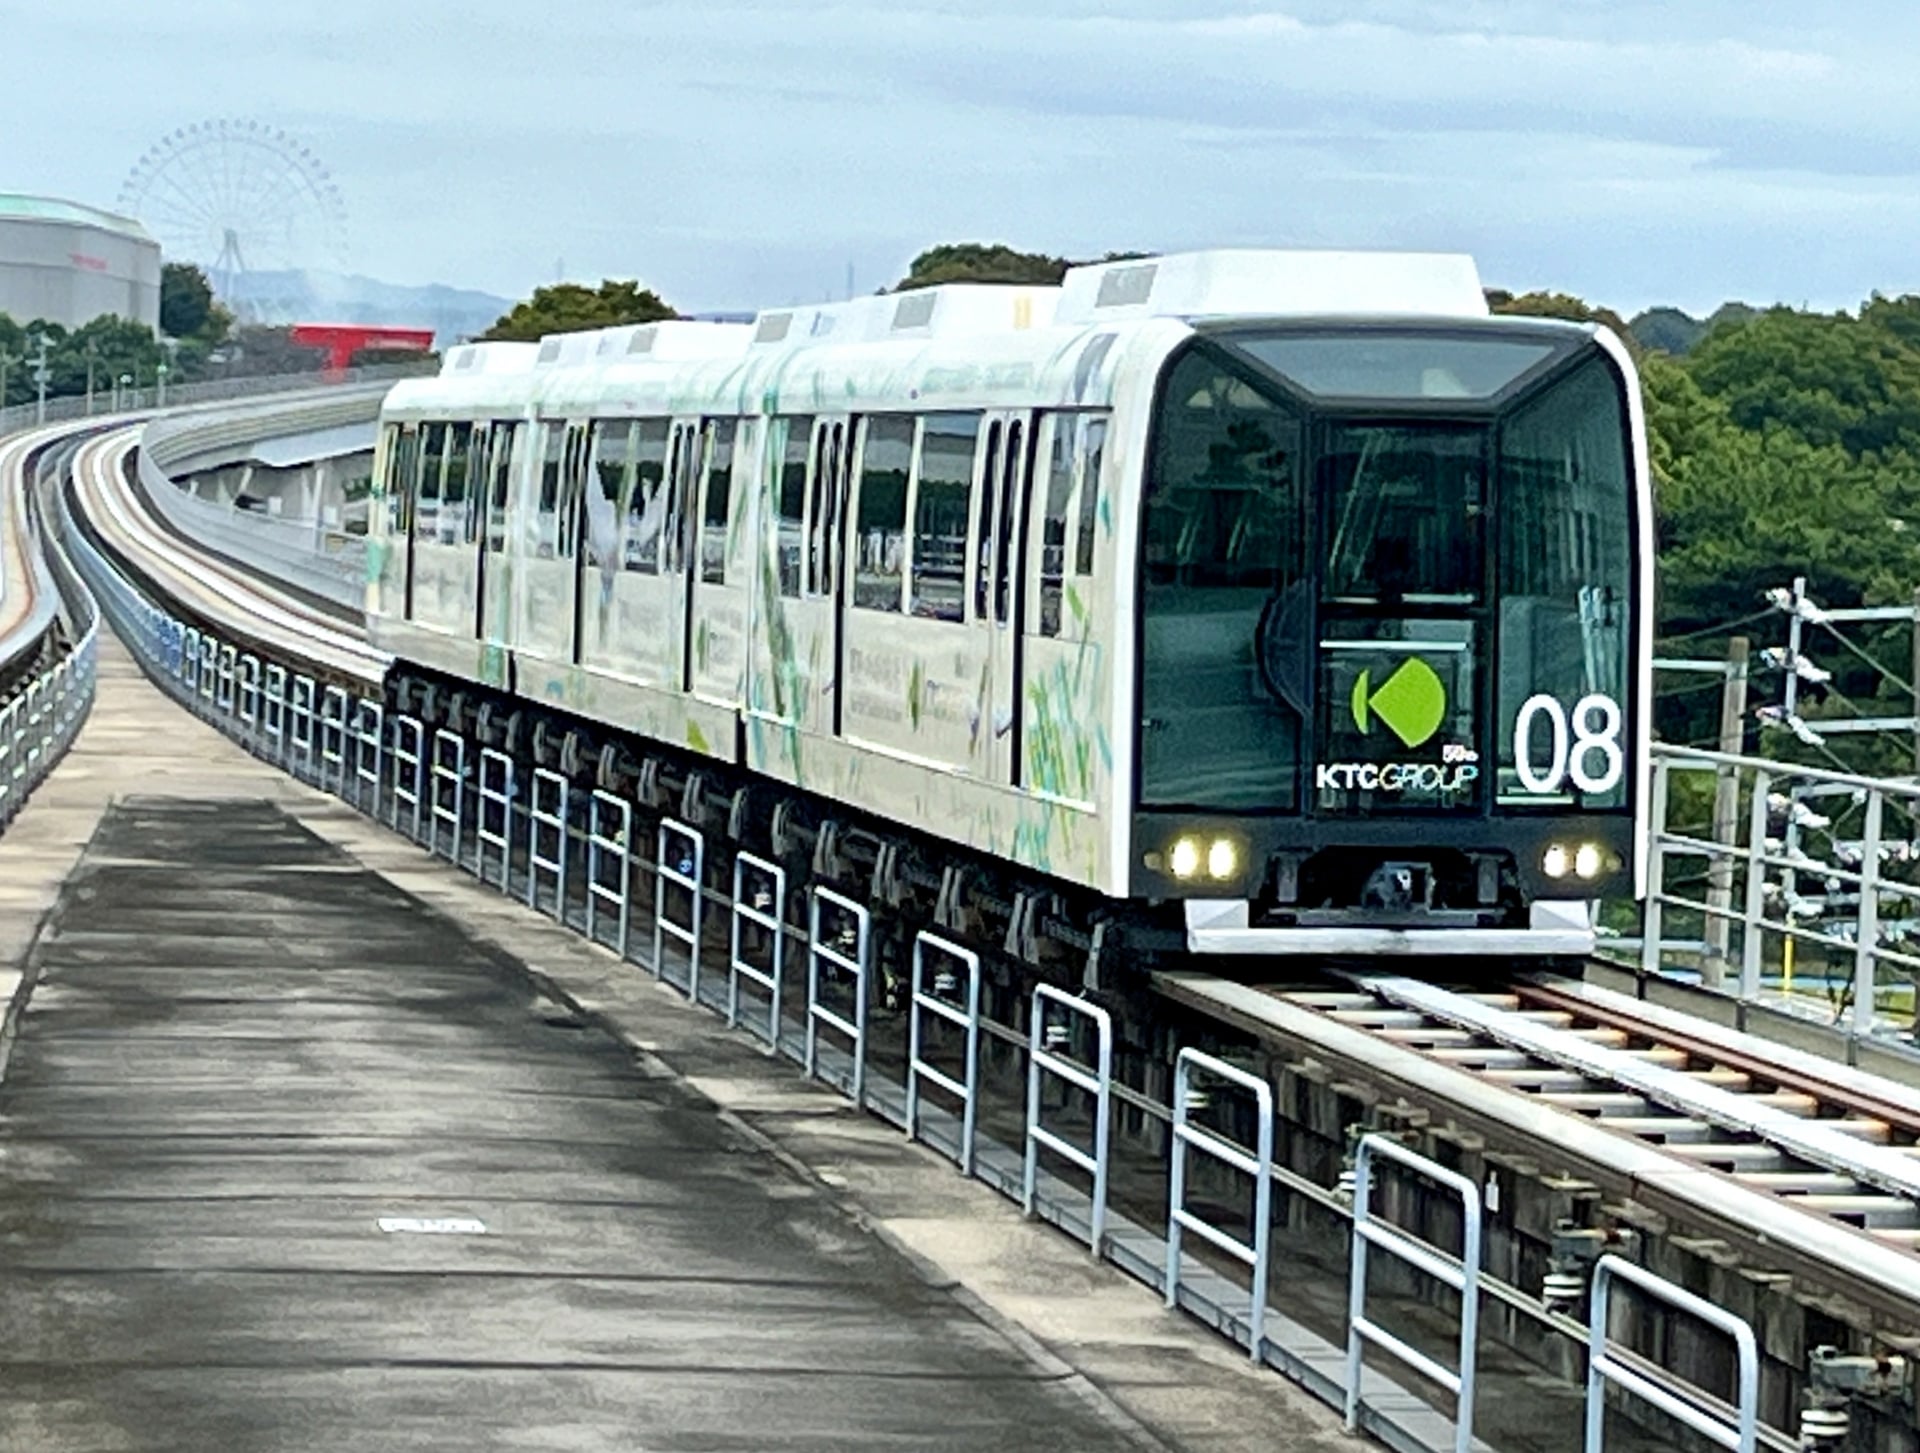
(306,1142)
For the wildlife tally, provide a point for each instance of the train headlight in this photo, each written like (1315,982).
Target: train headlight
(1185,858)
(1555,861)
(1223,860)
(1587,862)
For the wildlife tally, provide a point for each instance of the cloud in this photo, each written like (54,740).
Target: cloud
(743,152)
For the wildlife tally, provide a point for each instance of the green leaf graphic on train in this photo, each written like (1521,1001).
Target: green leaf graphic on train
(1411,703)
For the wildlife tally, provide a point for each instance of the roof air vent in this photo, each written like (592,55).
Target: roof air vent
(915,310)
(1126,286)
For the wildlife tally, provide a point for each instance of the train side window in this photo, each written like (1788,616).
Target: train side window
(479,462)
(506,439)
(453,486)
(1058,431)
(572,486)
(880,526)
(609,477)
(942,505)
(401,439)
(689,450)
(1091,451)
(831,468)
(791,504)
(426,508)
(1010,486)
(553,449)
(719,498)
(1073,446)
(983,525)
(647,501)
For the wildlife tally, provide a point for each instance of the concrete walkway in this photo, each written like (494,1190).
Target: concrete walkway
(309,1142)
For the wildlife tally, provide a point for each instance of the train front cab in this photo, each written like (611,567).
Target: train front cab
(1392,638)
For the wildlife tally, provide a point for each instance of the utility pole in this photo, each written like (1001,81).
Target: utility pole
(40,379)
(1726,815)
(93,353)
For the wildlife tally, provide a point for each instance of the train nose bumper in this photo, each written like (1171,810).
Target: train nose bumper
(1555,928)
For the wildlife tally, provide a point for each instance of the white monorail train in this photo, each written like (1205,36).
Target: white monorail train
(1285,600)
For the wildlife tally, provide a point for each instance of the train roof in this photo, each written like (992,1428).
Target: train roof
(959,345)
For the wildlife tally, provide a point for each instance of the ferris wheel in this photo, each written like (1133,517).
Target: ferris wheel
(237,197)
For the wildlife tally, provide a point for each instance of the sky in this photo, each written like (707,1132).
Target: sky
(1635,152)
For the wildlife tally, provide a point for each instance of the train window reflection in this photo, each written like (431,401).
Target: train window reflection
(940,514)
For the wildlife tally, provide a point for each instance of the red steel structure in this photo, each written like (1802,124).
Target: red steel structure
(343,340)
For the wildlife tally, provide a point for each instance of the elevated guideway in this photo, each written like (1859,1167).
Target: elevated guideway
(1576,1129)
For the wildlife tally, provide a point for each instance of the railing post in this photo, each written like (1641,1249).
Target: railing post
(602,808)
(555,820)
(496,767)
(370,746)
(1369,1231)
(680,856)
(449,781)
(1651,958)
(1866,948)
(1753,934)
(1255,1254)
(820,951)
(1741,1435)
(409,770)
(1098,1083)
(770,917)
(918,1069)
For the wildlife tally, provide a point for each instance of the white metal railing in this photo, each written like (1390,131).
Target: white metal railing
(929,1001)
(1254,1253)
(1370,1232)
(843,951)
(1604,1366)
(680,857)
(547,817)
(447,800)
(1798,879)
(759,902)
(407,792)
(1096,1081)
(609,835)
(496,796)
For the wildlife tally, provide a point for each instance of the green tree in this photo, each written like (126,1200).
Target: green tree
(981,262)
(1827,378)
(572,307)
(187,305)
(1556,305)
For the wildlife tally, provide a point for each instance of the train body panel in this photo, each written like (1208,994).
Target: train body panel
(1267,611)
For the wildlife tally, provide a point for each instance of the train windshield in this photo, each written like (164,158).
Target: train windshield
(1386,572)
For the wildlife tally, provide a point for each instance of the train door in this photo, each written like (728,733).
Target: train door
(999,540)
(495,594)
(545,615)
(717,620)
(396,558)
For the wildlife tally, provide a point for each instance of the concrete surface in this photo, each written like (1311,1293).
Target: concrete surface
(262,1024)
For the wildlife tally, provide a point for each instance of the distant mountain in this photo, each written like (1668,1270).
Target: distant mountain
(324,297)
(1669,330)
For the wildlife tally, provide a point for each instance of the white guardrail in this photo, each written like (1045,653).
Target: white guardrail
(582,858)
(1791,885)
